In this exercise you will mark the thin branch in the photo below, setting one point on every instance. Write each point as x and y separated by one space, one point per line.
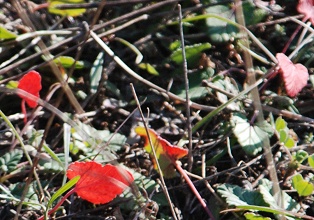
187 98
154 153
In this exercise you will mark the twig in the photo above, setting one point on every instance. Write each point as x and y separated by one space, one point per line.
258 107
154 153
187 98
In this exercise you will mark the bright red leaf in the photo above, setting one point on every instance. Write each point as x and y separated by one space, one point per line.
31 83
295 76
166 153
306 7
99 184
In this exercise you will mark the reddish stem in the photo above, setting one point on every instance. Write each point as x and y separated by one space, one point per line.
293 36
59 203
194 190
24 110
41 6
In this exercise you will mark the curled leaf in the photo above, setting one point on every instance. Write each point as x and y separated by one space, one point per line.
295 76
99 184
166 153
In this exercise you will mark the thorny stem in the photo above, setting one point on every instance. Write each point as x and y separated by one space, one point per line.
192 187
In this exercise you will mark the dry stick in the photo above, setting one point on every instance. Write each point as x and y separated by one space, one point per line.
257 105
141 79
187 98
154 152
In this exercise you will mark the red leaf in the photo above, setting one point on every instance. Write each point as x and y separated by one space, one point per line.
295 76
166 153
99 184
306 7
31 83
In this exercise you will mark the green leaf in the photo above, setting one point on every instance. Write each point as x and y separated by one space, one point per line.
220 31
54 156
280 124
250 137
55 165
252 14
303 187
283 135
9 161
253 216
226 85
5 34
96 72
265 187
149 68
175 45
67 62
300 156
236 195
65 12
108 141
193 53
31 195
310 160
196 90
62 190
290 143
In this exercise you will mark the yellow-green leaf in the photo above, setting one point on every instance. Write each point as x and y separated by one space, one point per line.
290 143
149 68
303 187
310 160
65 12
6 35
12 84
67 62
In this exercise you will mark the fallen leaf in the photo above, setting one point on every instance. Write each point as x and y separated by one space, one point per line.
31 83
166 153
306 7
295 76
99 184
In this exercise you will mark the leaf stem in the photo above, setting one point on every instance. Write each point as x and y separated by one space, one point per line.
194 190
24 110
58 204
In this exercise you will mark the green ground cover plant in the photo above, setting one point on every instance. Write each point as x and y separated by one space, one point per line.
140 109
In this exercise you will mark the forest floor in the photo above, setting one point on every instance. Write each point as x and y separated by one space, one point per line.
107 67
